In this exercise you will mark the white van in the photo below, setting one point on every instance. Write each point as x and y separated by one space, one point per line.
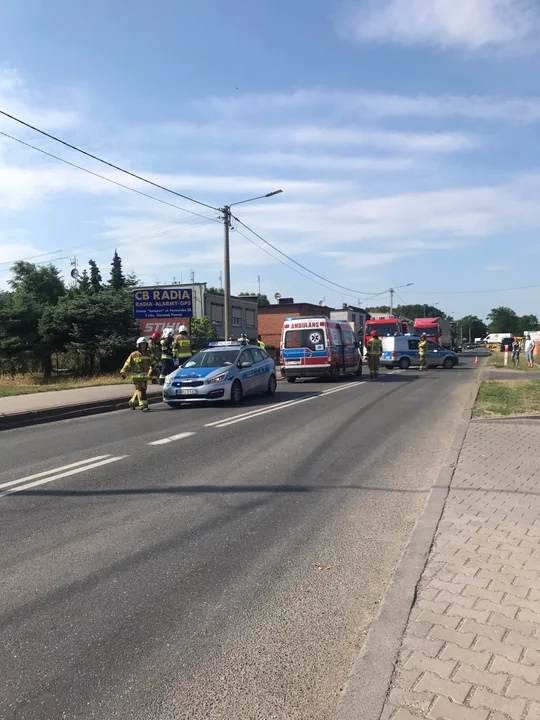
402 351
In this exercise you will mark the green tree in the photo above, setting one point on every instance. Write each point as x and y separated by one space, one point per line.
84 285
202 331
117 281
528 322
95 276
503 319
34 289
215 291
261 299
471 327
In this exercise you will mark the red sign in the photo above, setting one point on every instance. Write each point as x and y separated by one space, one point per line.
151 326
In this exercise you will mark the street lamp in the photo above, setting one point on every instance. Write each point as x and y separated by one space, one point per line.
392 290
226 210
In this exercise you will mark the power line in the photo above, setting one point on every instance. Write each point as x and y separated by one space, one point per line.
31 257
326 287
103 177
341 287
478 292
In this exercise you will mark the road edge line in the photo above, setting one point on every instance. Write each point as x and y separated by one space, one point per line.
365 693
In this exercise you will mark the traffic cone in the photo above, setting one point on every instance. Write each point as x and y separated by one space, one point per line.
476 360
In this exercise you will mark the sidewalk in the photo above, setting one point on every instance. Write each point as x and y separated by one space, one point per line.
21 410
471 650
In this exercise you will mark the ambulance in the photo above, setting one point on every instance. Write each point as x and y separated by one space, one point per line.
313 346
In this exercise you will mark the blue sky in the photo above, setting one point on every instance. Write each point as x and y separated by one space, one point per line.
404 134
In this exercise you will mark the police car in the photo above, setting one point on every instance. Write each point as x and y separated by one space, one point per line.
224 371
402 350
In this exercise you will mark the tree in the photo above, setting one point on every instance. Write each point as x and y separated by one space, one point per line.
528 322
261 299
202 331
117 281
503 319
34 289
95 276
471 327
84 284
412 312
215 291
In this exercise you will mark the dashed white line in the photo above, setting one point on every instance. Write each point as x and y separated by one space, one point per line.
54 470
257 413
172 438
58 476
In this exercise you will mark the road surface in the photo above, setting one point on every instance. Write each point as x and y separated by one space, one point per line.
211 562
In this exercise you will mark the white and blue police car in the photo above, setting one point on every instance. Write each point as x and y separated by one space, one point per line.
224 371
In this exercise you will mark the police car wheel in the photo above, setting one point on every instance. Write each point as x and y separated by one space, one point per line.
236 393
447 363
272 385
404 364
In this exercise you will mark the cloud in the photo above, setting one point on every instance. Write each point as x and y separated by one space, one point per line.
470 24
17 99
361 105
321 135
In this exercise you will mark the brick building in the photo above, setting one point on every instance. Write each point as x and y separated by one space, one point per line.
271 318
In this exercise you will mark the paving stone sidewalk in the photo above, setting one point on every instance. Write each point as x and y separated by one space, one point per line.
471 650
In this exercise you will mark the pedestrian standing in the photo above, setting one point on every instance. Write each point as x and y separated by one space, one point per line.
516 349
422 351
139 364
374 352
529 351
260 342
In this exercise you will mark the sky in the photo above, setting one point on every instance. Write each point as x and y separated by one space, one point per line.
404 135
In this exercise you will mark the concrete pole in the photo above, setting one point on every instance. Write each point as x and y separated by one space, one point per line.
227 272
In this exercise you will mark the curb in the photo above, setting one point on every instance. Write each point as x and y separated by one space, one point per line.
66 412
366 690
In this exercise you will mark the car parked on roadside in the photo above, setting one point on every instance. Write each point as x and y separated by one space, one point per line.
225 371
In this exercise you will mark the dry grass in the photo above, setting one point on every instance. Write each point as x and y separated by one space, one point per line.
496 361
25 384
503 398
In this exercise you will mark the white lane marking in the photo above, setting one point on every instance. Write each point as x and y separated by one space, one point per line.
54 470
62 475
258 411
169 439
254 415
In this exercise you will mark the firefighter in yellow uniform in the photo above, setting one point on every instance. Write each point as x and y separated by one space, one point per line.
139 364
260 342
182 345
422 351
154 349
374 352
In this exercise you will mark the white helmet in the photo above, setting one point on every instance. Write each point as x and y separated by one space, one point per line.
168 332
142 340
182 329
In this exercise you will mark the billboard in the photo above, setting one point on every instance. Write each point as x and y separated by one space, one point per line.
148 327
162 303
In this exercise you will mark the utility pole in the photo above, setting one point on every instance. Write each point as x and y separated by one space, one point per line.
221 280
391 301
259 281
227 276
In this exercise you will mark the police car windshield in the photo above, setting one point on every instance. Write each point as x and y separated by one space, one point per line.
212 358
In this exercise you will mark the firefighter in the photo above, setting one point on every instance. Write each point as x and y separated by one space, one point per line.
182 345
166 364
374 352
139 364
422 351
260 342
154 349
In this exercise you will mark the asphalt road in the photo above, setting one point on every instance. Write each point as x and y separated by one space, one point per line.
211 562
